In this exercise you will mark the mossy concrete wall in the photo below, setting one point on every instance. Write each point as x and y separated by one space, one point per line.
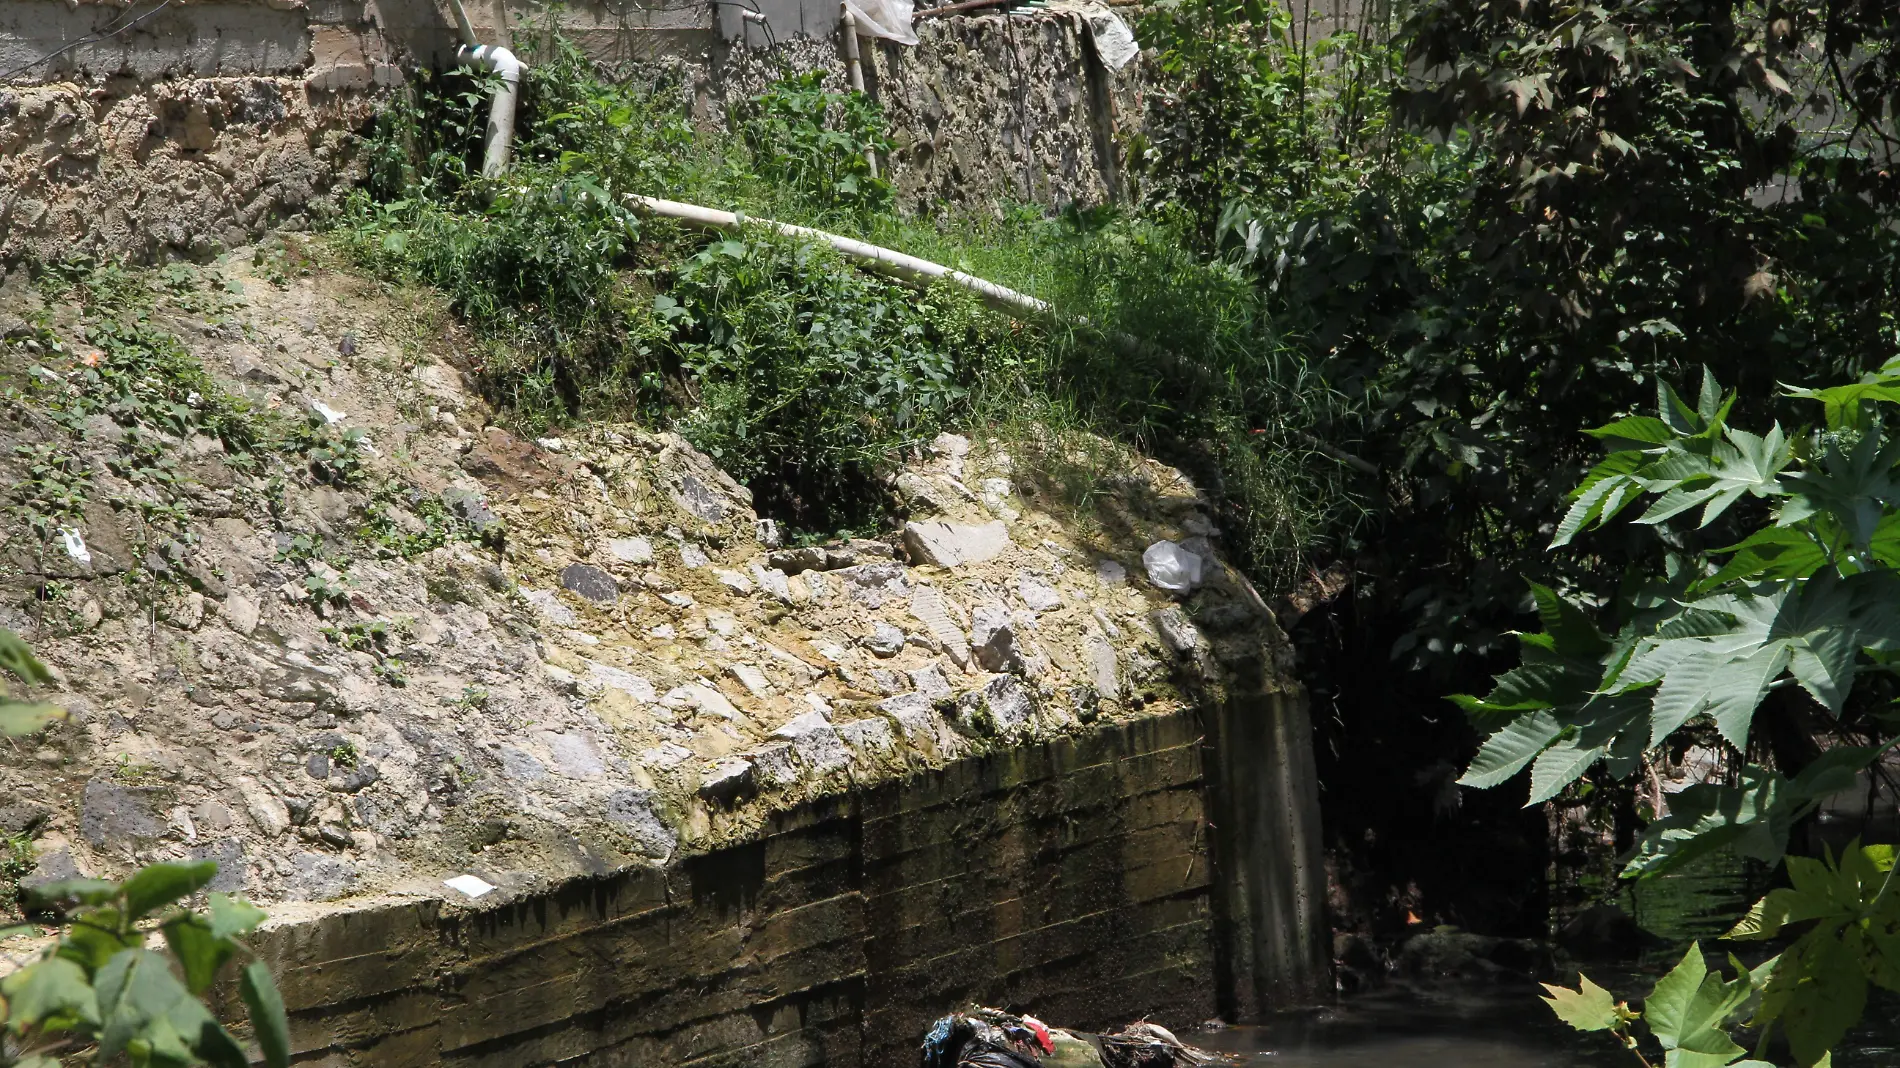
1070 879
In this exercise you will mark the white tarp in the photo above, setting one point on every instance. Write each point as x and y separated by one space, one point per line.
1114 41
889 19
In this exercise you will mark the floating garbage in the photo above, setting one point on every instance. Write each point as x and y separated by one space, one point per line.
991 1038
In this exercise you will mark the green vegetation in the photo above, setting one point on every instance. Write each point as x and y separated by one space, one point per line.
806 378
1717 648
99 992
1371 292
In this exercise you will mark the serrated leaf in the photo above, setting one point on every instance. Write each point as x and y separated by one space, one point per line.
1506 752
1572 631
1641 429
1689 1011
1587 1008
1778 909
1685 690
1558 767
1738 691
1823 663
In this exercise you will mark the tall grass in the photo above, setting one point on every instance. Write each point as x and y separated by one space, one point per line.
811 380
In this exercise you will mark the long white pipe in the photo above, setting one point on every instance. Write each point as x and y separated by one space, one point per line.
849 24
882 260
498 142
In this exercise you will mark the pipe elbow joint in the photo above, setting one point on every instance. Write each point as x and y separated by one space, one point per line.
492 57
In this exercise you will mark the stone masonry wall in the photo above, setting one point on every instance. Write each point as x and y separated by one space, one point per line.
216 122
1069 879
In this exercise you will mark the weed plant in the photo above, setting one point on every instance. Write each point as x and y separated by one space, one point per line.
808 379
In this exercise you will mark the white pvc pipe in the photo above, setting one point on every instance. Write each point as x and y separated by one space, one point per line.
498 141
498 144
849 24
882 260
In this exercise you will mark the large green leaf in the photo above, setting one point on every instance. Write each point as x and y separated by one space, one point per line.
268 1019
18 720
50 988
158 885
232 917
200 953
1506 752
1689 1010
1587 1008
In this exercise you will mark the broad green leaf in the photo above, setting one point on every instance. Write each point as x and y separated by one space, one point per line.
141 1000
1587 1008
1776 553
1778 909
1738 691
1558 767
1639 429
49 988
1574 633
1823 663
1817 992
158 885
268 1019
1689 1010
200 953
18 720
1506 752
18 658
1685 690
232 917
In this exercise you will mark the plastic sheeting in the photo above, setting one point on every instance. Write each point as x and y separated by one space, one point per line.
886 19
1114 41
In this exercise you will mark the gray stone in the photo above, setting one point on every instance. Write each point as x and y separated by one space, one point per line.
797 560
751 678
1110 573
934 541
319 877
636 811
575 755
521 764
591 582
868 736
734 581
241 614
773 581
22 818
356 779
765 532
697 498
777 763
692 556
929 681
613 678
728 780
1001 709
317 766
921 494
886 682
1176 632
885 641
1039 596
993 639
1103 669
550 608
927 607
115 816
872 584
915 715
53 866
468 506
630 550
212 818
815 741
233 870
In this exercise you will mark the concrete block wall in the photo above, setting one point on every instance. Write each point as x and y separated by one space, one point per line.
1069 879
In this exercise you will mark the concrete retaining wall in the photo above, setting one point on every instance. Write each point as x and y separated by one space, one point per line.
1070 879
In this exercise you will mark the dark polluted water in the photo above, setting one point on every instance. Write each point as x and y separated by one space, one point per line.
1472 1027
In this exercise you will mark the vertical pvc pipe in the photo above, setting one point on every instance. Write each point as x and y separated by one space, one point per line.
849 24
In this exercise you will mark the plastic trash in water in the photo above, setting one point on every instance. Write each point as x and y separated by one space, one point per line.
472 885
1172 567
75 545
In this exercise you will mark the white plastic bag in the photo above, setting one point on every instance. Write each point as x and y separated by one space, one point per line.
1171 567
889 19
1114 41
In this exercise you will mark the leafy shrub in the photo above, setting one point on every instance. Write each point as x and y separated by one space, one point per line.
99 987
814 141
810 377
